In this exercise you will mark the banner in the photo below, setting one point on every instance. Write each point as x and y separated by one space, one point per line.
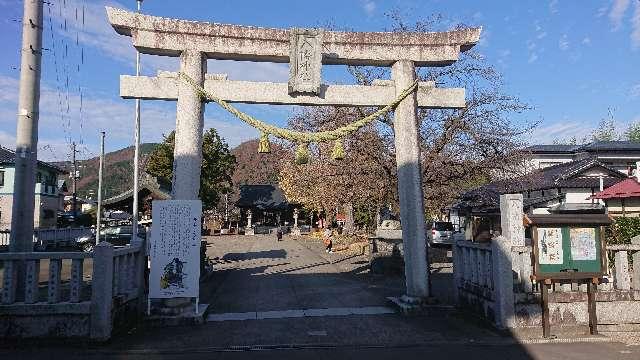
175 249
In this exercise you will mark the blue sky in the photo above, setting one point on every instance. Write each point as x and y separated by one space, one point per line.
573 61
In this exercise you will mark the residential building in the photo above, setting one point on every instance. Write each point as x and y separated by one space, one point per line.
567 187
618 155
622 199
48 194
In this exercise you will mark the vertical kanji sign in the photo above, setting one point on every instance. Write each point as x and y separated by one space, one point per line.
175 249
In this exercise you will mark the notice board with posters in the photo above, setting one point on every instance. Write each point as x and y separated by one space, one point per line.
568 246
175 249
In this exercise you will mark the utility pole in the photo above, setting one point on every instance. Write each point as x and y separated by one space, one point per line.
27 131
99 210
136 156
74 177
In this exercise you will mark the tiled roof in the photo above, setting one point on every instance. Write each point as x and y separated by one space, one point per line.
264 197
9 157
566 175
591 147
624 189
553 149
147 182
611 146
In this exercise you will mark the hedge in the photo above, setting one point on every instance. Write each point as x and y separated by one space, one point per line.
622 230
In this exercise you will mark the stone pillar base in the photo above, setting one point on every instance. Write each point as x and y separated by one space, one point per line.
249 231
177 312
410 305
296 231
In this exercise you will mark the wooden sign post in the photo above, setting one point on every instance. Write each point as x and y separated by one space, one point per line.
568 248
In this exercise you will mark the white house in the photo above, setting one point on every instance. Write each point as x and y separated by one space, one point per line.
48 198
618 155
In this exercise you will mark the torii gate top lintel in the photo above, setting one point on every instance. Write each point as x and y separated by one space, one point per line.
169 37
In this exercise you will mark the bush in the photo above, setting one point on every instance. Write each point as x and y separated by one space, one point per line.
622 230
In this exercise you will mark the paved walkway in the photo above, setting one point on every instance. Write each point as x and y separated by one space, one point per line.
289 299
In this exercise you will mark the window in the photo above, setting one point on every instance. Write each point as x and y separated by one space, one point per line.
1 178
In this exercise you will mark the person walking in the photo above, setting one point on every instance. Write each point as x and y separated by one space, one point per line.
328 242
279 233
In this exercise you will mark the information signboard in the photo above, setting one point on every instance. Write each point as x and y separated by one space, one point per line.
568 246
175 249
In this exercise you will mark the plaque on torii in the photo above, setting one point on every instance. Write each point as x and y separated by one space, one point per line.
306 50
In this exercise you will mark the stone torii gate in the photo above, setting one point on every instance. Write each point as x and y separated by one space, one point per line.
306 51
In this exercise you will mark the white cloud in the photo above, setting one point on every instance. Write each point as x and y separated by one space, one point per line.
635 91
560 130
586 41
533 58
617 13
7 141
602 11
504 53
553 6
540 32
563 43
98 33
369 7
635 27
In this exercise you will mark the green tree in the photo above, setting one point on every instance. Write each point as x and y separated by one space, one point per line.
606 130
633 132
217 166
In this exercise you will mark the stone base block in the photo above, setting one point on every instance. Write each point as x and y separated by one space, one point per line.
409 305
296 232
250 231
188 316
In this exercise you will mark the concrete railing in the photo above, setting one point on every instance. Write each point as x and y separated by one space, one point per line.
473 268
88 308
48 238
623 277
4 237
30 288
483 279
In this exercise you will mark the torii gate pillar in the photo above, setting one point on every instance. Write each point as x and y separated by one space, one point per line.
406 134
187 152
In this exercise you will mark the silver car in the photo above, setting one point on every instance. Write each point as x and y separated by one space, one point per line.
440 233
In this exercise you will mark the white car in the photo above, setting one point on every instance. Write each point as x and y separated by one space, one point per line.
440 233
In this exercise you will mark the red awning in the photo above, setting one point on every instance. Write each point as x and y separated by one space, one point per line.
624 189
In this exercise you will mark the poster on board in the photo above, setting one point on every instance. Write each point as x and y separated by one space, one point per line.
583 243
175 249
550 246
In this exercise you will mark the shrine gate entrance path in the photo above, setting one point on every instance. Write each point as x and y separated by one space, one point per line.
257 277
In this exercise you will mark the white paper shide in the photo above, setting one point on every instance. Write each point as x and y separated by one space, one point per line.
175 249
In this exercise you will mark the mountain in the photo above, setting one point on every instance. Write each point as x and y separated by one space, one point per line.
118 171
253 168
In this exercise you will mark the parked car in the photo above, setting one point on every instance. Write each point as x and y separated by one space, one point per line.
116 235
440 233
